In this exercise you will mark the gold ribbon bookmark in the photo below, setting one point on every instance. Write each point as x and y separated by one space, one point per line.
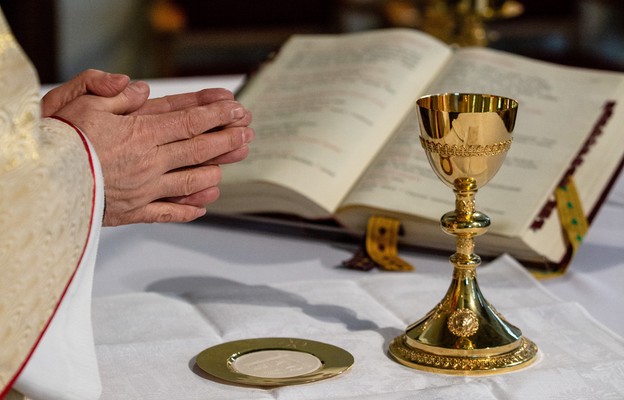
571 214
382 237
573 222
379 249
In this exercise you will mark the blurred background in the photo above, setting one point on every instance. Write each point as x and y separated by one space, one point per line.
166 38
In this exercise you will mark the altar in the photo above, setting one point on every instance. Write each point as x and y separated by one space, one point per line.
164 293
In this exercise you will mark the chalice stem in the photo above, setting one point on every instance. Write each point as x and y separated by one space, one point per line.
463 333
465 223
464 295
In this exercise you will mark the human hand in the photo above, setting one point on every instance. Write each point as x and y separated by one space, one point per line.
158 164
202 97
90 81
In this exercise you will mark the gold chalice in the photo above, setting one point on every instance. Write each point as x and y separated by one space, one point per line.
466 137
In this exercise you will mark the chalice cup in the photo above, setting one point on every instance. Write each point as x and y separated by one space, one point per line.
466 138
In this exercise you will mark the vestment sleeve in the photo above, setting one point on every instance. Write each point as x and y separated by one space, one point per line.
51 205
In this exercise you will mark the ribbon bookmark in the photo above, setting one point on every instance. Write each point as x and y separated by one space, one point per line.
382 235
573 220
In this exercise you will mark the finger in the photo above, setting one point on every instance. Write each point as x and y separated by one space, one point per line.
159 211
199 199
185 182
87 82
171 212
182 101
244 121
231 157
190 122
202 148
128 101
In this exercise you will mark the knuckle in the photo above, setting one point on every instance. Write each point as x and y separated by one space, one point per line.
166 216
170 212
233 141
197 151
184 123
162 212
225 111
222 117
189 123
188 183
170 101
236 138
195 180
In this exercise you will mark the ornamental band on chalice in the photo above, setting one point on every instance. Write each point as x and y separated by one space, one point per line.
446 150
466 137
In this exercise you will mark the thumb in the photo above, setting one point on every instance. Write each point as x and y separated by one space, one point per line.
128 101
87 82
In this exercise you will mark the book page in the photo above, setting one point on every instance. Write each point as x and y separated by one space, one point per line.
558 107
326 105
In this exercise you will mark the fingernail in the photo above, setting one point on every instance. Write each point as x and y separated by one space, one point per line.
248 135
200 212
237 113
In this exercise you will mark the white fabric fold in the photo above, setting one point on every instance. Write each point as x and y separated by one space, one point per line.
64 364
166 326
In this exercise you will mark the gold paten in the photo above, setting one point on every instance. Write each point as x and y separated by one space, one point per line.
220 361
466 138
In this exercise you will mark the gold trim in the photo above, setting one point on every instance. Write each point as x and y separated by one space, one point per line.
522 355
452 150
458 352
218 360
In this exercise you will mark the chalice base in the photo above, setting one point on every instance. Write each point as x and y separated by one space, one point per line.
496 360
463 335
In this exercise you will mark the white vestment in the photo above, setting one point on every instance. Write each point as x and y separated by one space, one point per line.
51 207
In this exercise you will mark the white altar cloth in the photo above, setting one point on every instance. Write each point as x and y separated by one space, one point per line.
163 293
147 341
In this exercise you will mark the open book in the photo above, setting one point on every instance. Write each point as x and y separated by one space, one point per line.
337 138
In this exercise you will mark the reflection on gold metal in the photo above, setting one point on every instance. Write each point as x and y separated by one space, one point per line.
270 362
466 137
456 22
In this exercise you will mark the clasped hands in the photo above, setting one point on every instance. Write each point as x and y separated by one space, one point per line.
160 157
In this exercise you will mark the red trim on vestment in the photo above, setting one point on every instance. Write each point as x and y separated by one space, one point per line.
11 382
